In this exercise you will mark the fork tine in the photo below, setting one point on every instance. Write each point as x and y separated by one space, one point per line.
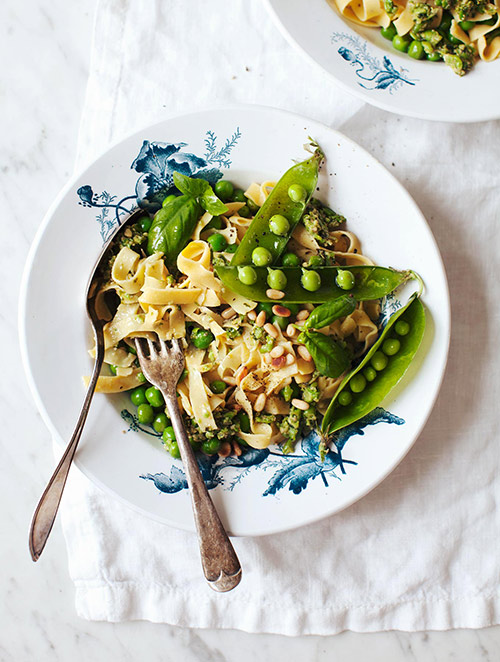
139 347
152 349
175 345
163 347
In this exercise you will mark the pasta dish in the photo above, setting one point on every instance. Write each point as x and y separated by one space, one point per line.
456 31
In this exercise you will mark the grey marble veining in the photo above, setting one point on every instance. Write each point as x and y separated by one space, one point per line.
44 50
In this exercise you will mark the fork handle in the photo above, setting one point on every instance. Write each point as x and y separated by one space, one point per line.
221 566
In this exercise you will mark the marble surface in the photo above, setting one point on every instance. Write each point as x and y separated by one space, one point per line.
45 50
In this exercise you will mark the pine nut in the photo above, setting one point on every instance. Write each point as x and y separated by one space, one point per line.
290 359
261 318
279 350
291 331
304 353
300 404
225 449
303 314
281 311
271 330
252 315
260 403
275 294
228 313
278 363
288 380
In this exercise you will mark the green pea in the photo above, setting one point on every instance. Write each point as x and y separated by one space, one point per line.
345 279
401 43
216 224
276 279
224 190
145 223
168 200
369 373
416 50
467 25
160 423
247 275
267 346
231 248
391 346
401 328
217 241
244 421
138 396
434 56
154 397
266 307
168 434
210 446
261 257
140 378
239 195
244 211
112 369
389 32
201 338
218 386
290 260
253 206
345 398
282 322
173 449
357 383
279 225
297 193
310 280
145 413
379 361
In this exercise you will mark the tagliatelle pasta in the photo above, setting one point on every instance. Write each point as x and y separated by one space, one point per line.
452 30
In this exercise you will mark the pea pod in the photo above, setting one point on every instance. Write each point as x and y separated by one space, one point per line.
330 357
330 311
370 283
279 202
338 416
172 227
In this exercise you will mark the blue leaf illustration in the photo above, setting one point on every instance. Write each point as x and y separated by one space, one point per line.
153 157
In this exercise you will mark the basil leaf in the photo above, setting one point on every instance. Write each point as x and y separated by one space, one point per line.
330 357
330 311
202 191
172 227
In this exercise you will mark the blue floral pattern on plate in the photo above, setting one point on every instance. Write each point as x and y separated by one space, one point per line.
376 74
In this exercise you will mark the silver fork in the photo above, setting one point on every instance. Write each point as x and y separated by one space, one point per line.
163 366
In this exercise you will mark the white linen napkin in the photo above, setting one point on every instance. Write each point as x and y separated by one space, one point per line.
421 550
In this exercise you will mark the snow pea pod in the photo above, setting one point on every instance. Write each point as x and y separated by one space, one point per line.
279 202
371 395
370 283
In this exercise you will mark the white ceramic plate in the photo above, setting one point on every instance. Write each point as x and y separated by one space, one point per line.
264 492
366 64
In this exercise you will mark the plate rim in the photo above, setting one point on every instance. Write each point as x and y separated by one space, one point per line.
23 320
358 92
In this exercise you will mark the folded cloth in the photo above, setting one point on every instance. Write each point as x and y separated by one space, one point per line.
420 551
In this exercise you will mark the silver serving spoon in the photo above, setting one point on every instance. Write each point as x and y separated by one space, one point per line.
46 510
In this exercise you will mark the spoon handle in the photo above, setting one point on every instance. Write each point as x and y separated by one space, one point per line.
46 510
221 566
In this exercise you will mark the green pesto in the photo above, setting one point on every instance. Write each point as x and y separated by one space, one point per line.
279 202
338 416
370 283
320 221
